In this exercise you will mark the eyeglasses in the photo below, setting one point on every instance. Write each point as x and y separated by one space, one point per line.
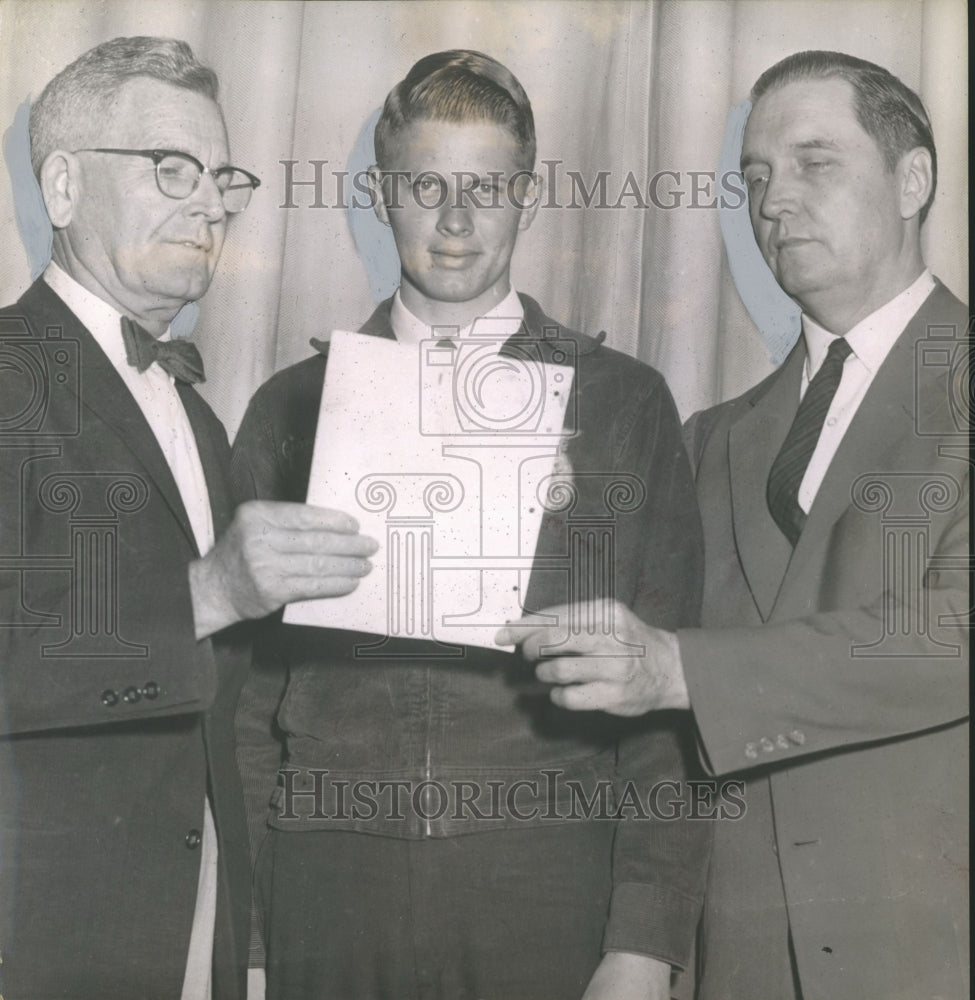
178 175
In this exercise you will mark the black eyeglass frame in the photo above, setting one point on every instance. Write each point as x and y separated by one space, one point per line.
158 155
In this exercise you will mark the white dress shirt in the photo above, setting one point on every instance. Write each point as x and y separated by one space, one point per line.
501 322
870 340
154 391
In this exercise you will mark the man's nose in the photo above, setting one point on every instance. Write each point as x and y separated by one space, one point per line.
455 220
455 216
207 199
779 195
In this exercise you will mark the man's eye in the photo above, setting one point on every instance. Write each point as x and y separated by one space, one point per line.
755 181
176 168
428 184
429 190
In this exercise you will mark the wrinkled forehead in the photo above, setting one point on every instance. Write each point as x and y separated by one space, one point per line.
800 114
148 113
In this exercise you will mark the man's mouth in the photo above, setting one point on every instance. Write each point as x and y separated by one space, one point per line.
203 245
790 243
454 258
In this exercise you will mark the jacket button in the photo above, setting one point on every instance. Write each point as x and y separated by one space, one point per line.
131 695
193 839
151 690
109 698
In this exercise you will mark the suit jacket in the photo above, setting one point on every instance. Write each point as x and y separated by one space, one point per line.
835 678
114 720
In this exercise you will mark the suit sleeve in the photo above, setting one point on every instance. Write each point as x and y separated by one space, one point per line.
660 857
821 682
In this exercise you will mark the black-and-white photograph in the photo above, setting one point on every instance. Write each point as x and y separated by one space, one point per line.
484 500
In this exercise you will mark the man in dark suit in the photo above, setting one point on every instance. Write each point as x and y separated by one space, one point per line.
123 847
446 891
831 668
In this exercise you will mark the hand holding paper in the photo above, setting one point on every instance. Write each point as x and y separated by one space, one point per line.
274 553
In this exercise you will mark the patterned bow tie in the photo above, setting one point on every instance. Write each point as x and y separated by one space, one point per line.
178 357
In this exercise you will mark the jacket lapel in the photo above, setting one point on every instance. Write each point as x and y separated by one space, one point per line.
754 441
882 436
103 393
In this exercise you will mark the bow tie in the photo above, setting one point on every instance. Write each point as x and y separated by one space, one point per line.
178 357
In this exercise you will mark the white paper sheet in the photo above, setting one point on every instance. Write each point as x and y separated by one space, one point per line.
441 453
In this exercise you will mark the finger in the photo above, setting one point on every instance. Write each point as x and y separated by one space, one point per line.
535 632
321 543
586 697
581 670
522 633
547 618
555 642
308 568
312 588
283 514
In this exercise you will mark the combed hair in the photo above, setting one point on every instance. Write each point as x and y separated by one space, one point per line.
887 110
79 98
458 86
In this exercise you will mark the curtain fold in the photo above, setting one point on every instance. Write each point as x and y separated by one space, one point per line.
631 102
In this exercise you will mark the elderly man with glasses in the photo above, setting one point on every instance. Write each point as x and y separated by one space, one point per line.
123 849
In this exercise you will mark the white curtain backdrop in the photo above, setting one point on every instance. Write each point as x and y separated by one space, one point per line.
635 90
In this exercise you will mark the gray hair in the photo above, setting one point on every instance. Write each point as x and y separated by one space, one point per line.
81 95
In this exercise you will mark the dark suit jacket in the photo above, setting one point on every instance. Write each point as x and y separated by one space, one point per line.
835 677
114 720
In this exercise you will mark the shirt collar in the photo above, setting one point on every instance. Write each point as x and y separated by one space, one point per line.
101 320
873 337
501 322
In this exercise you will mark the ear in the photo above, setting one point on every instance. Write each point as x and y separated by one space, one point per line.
916 179
529 199
60 188
374 179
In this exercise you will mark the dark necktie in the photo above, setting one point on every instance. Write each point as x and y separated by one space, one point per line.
790 464
178 357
